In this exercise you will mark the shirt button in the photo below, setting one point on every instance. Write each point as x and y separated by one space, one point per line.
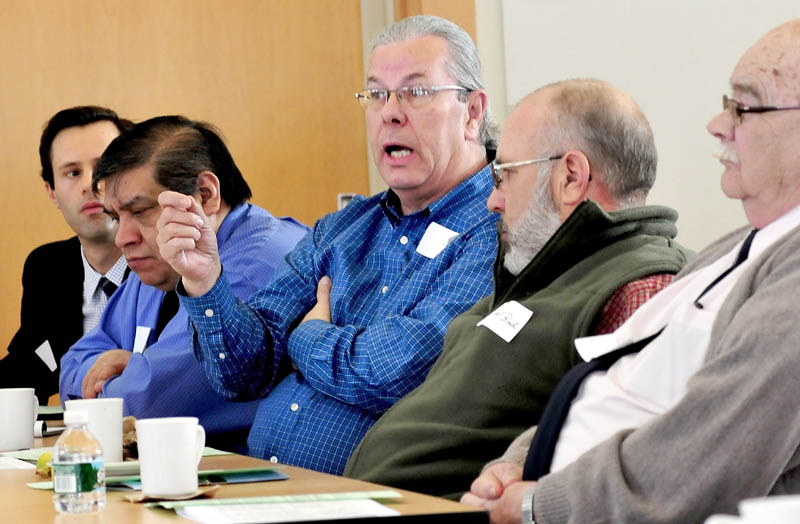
295 406
384 289
222 356
273 459
404 240
209 313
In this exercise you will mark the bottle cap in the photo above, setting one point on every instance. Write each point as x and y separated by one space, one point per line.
75 416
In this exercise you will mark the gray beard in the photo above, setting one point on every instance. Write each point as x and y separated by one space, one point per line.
536 226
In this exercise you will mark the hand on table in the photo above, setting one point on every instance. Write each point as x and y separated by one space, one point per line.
107 365
188 242
499 489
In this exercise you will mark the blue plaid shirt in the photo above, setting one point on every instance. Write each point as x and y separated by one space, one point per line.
324 384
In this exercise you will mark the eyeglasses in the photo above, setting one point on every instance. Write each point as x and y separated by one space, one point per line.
737 110
497 169
414 96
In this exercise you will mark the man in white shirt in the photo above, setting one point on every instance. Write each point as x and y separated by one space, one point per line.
704 415
66 284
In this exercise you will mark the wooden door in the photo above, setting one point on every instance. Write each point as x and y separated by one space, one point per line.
277 77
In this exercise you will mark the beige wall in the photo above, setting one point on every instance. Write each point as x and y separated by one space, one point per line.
276 76
673 57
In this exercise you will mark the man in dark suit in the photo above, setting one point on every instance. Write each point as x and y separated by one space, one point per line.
66 284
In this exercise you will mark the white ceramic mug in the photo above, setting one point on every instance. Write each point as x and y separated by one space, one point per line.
105 423
170 450
780 509
19 408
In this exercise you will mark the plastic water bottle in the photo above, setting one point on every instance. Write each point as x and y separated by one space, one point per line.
79 483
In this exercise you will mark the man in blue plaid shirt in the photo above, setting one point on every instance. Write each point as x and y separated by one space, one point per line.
356 316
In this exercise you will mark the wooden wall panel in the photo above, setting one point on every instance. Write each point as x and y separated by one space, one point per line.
460 12
277 77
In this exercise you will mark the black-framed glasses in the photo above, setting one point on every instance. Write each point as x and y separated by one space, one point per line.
414 96
737 109
497 169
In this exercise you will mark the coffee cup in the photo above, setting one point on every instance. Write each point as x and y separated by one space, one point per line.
780 509
19 408
105 423
170 450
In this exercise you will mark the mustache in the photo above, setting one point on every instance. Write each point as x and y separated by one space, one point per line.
502 230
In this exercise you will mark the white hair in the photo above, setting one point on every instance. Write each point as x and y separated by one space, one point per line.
464 64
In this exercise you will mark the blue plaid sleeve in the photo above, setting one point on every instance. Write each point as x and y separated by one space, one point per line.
240 344
372 366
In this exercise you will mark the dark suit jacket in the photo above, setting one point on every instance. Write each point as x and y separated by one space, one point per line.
52 302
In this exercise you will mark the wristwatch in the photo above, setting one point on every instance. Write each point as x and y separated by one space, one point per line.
527 505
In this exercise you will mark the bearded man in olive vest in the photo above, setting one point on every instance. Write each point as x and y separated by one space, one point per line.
579 254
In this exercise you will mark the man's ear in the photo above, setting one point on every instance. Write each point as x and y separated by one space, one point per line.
208 189
476 112
571 187
50 192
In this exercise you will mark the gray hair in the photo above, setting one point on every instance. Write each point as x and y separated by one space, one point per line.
535 226
464 64
610 128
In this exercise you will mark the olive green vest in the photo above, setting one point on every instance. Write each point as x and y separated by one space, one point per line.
482 392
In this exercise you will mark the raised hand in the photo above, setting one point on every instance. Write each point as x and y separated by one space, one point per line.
188 242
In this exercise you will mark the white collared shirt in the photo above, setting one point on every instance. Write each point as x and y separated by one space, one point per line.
641 386
94 299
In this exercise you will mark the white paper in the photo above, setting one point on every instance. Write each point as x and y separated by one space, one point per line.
140 341
26 454
45 352
435 239
507 320
12 463
285 511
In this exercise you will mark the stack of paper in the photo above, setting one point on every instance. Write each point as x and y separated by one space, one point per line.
13 463
285 508
285 511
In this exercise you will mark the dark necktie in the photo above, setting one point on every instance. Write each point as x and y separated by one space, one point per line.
540 454
169 306
543 446
107 286
741 257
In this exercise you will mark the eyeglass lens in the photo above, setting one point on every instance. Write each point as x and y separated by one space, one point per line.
732 107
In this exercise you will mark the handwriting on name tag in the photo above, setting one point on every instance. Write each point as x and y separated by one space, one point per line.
507 320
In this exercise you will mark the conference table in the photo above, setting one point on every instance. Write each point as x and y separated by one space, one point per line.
22 504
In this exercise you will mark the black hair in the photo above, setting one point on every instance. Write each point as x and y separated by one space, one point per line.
73 117
179 149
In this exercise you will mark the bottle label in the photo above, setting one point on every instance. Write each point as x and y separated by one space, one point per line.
83 477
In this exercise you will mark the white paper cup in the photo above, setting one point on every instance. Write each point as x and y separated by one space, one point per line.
19 408
781 509
170 450
105 423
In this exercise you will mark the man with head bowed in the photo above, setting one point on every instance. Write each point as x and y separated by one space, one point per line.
356 315
141 350
705 414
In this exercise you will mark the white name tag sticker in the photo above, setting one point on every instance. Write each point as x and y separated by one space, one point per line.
435 239
507 320
140 341
45 352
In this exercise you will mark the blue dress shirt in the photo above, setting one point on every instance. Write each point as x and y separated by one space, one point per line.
324 384
166 380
